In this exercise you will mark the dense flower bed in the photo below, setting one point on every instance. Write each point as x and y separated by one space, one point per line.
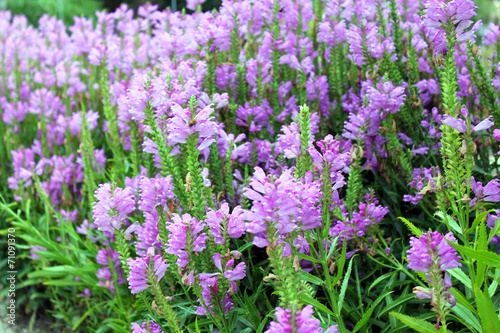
277 166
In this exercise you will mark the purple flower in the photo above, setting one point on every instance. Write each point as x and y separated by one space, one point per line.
461 126
140 267
432 250
289 142
186 122
221 221
491 34
153 328
386 97
208 283
489 193
355 39
237 273
272 205
138 276
112 207
35 255
456 123
108 257
496 134
177 242
484 125
304 322
456 12
156 192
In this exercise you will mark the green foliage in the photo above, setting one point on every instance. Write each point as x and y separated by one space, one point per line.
62 9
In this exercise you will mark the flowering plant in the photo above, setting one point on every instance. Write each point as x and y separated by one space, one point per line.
273 166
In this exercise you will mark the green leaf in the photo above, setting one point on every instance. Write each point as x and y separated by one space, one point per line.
309 300
462 300
367 315
450 222
343 289
309 258
262 325
341 265
493 286
419 325
311 278
486 257
486 310
461 276
382 278
481 246
82 318
464 314
63 283
398 302
477 220
416 231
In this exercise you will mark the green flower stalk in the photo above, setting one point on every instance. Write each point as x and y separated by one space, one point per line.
87 149
455 165
168 164
304 160
286 277
194 181
111 117
229 176
135 154
354 180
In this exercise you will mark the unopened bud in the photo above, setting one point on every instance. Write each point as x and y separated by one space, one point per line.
332 268
475 50
270 277
438 60
465 198
184 278
296 264
463 150
422 293
156 309
189 182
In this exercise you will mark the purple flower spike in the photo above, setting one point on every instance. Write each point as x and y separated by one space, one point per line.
491 34
138 277
177 242
221 220
153 328
386 97
304 322
237 273
184 123
192 4
456 12
112 207
432 249
156 192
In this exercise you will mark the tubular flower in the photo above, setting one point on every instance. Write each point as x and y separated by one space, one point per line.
181 229
138 277
432 255
430 250
112 207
